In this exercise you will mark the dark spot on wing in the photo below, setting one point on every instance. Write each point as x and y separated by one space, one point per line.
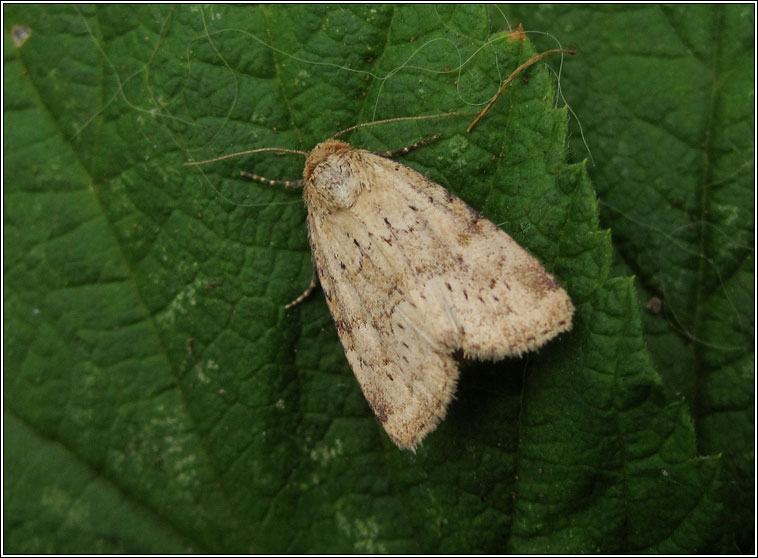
343 326
379 408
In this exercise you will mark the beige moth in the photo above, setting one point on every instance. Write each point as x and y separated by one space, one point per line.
413 276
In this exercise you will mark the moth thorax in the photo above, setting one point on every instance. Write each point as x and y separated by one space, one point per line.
332 176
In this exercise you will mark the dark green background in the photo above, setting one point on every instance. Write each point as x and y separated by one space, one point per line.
159 398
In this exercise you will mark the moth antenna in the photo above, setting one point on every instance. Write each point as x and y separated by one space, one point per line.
404 150
516 72
259 150
399 119
286 183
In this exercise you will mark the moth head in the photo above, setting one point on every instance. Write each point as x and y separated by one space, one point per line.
318 154
332 177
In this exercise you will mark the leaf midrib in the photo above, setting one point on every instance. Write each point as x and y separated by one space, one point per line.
704 201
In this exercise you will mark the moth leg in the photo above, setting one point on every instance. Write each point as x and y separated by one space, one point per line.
286 183
307 292
404 150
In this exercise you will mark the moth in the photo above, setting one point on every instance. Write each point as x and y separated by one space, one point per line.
413 276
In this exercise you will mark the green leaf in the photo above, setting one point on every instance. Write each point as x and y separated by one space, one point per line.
158 397
668 110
